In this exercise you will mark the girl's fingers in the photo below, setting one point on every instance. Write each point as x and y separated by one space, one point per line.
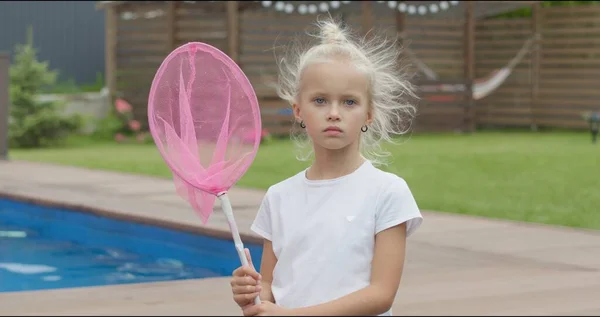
246 289
243 298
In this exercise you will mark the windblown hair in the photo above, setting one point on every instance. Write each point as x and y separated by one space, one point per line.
378 58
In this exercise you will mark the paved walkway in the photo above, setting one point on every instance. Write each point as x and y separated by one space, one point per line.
456 264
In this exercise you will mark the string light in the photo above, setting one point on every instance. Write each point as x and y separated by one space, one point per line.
402 7
422 9
412 9
289 8
433 8
303 8
279 6
323 6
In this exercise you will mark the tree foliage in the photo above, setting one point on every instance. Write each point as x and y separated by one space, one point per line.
33 123
525 12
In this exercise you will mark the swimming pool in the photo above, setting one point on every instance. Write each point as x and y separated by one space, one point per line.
47 248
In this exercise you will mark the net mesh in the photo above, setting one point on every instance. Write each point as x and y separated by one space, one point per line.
204 118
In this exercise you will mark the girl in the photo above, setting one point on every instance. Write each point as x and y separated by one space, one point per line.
334 234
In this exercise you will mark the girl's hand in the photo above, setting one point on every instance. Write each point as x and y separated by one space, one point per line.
245 283
266 308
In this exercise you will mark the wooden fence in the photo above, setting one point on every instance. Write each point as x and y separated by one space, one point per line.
553 85
140 45
443 106
550 87
496 43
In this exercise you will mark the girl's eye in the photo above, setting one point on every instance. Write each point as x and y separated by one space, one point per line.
350 102
319 100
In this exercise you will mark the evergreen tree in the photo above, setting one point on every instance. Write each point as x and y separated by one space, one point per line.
33 123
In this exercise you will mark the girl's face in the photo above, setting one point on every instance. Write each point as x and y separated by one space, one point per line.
334 104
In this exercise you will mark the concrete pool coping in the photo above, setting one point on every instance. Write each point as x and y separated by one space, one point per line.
455 264
207 230
128 207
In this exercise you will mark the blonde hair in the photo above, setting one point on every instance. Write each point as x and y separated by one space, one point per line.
374 55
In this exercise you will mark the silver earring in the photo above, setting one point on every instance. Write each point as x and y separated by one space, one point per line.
302 125
364 128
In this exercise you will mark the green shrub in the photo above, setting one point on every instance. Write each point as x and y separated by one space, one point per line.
107 127
121 126
33 123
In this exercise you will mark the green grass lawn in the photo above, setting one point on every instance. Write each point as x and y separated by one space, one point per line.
537 177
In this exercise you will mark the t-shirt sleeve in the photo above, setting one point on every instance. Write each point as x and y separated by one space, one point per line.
262 222
397 205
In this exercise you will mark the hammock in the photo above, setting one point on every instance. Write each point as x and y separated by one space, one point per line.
482 87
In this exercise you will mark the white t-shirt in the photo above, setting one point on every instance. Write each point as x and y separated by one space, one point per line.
323 232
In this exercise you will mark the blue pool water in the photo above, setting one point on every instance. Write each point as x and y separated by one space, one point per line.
45 248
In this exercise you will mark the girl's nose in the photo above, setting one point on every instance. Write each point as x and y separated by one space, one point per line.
334 113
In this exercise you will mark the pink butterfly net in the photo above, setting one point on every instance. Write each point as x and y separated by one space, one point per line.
204 117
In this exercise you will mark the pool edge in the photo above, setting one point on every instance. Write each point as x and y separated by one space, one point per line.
205 230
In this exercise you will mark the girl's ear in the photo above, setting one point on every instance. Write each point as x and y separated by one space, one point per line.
296 110
369 116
